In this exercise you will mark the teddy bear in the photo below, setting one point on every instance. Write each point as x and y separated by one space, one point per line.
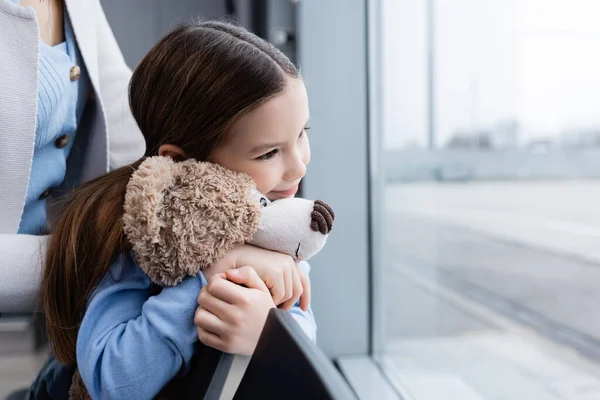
182 217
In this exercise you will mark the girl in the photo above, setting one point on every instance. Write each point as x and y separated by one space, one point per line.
209 91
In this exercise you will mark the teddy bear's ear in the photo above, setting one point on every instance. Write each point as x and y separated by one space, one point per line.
144 198
182 217
143 205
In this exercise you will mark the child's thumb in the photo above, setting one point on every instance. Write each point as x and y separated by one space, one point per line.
247 276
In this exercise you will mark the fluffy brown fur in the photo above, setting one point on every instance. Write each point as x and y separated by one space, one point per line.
78 391
182 217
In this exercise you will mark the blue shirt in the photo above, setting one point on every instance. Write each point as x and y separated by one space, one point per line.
131 344
61 102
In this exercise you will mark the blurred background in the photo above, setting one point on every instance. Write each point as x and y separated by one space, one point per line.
458 142
490 138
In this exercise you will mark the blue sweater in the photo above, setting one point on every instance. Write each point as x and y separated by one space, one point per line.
60 107
130 343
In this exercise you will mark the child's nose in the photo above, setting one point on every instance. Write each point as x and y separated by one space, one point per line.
321 218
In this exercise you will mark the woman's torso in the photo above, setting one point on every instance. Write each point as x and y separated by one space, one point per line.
63 90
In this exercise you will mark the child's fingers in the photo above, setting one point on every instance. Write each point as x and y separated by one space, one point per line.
275 284
213 304
248 277
305 298
289 285
209 322
223 289
210 339
296 291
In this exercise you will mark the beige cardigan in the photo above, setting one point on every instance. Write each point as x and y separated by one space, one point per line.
113 138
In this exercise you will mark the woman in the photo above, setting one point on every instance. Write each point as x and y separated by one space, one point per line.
64 119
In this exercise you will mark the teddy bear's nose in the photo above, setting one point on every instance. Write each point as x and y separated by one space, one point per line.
321 218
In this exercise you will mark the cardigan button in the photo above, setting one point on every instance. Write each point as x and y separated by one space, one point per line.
75 72
62 141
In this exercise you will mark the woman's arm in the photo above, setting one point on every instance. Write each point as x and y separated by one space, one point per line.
126 143
130 344
21 258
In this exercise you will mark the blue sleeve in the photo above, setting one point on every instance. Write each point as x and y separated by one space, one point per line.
130 344
305 319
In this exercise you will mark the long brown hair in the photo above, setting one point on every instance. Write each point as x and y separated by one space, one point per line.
187 91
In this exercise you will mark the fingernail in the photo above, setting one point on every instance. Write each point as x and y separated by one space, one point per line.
235 271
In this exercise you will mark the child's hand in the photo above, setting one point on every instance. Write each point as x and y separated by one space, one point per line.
231 317
305 298
280 274
286 282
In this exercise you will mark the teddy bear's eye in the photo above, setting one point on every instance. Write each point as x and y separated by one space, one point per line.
263 202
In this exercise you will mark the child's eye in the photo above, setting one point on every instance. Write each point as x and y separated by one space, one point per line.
304 131
267 156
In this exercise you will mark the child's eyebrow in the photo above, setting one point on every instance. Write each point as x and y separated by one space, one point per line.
266 146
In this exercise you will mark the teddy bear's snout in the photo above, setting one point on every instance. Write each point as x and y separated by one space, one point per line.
321 218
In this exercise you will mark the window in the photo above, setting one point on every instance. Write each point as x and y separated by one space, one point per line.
488 117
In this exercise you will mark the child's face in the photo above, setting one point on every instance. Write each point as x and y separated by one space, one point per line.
270 143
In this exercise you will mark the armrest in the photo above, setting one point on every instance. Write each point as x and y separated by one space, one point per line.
286 364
